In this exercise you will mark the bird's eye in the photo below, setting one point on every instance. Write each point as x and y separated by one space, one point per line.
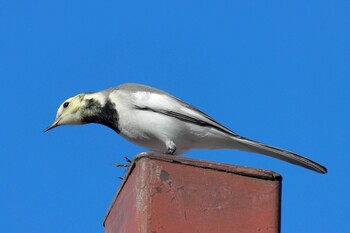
65 104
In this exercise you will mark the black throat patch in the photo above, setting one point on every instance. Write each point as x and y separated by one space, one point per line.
107 115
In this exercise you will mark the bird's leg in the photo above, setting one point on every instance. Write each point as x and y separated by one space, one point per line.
127 159
128 162
170 148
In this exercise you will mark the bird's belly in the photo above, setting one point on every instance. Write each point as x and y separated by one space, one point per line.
153 130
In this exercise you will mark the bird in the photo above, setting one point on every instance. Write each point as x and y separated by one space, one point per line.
161 122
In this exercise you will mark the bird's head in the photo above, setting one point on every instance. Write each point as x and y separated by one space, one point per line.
69 112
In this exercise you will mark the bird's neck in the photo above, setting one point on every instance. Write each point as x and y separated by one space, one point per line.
101 111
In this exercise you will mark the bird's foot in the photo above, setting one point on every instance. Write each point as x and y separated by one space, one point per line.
123 164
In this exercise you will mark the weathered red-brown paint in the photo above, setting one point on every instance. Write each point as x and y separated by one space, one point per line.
170 194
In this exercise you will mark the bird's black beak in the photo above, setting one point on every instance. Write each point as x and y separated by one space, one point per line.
53 125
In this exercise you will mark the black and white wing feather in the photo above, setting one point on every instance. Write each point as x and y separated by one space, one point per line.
151 99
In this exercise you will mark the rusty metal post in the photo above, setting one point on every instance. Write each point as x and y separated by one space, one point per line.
171 194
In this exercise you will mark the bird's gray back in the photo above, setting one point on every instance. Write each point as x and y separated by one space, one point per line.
135 87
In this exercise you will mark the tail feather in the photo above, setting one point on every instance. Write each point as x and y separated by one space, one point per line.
257 147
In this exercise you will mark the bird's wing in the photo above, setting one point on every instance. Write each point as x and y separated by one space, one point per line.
174 107
166 104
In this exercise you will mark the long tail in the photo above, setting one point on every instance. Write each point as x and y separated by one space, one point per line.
290 157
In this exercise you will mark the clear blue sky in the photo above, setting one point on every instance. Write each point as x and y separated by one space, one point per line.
273 71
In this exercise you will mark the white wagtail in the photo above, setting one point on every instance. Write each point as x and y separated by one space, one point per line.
161 122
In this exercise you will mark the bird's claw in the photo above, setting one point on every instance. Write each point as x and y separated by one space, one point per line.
124 165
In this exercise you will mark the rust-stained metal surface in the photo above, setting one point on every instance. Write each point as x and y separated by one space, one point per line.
171 194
